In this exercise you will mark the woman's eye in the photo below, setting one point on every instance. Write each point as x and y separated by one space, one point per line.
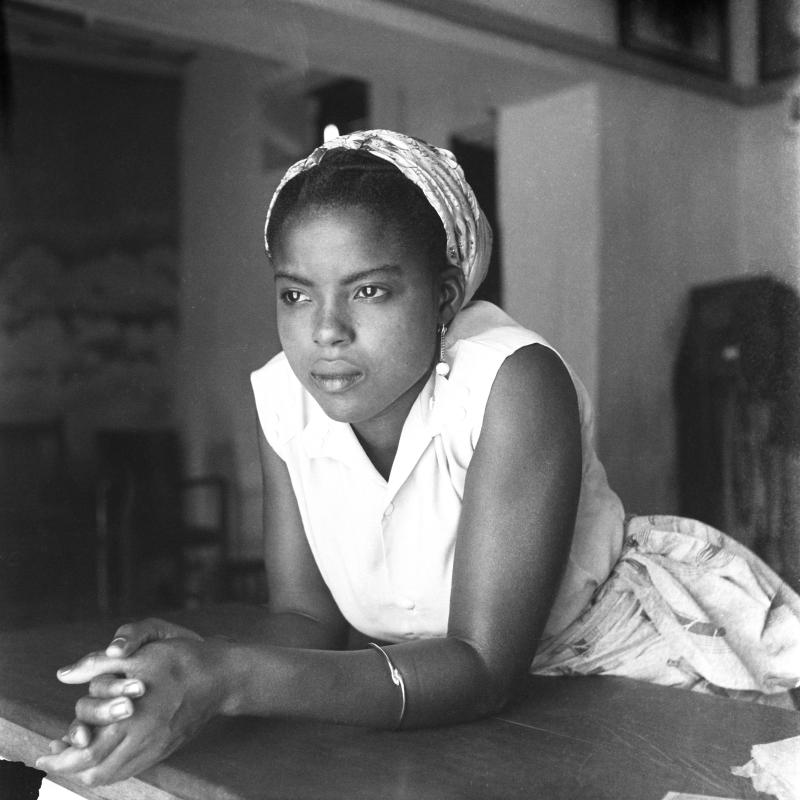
293 296
370 292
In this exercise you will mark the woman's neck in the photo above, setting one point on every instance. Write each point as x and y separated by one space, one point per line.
380 436
381 455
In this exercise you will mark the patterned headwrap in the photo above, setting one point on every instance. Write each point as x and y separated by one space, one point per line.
437 173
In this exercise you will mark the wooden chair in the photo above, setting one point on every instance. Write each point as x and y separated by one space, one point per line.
32 466
154 551
45 525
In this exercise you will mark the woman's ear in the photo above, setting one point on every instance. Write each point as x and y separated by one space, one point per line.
451 293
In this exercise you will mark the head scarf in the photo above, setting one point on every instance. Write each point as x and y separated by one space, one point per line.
437 173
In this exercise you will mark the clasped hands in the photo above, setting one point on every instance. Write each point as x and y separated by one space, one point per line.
149 691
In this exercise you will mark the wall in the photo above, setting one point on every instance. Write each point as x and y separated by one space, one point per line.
237 140
768 191
549 169
693 191
668 178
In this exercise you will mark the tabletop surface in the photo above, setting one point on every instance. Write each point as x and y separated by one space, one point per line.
564 738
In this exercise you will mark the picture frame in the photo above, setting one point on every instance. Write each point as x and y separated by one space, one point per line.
778 39
689 34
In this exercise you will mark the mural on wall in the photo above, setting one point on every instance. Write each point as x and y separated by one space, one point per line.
88 249
101 327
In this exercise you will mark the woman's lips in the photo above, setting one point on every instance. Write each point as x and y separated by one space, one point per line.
336 381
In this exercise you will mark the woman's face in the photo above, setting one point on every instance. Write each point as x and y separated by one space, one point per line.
358 312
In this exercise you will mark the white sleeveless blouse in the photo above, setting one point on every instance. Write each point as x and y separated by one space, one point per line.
385 548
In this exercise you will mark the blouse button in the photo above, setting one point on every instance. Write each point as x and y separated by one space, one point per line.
407 603
388 511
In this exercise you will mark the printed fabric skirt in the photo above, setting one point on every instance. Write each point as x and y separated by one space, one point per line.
686 606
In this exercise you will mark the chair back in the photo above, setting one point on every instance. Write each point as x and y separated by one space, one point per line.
32 469
139 517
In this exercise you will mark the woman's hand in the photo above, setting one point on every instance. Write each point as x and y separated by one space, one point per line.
127 640
182 693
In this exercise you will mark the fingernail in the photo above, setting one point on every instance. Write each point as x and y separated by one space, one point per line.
117 644
65 670
120 709
133 688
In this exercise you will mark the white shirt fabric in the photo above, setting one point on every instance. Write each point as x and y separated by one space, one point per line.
385 548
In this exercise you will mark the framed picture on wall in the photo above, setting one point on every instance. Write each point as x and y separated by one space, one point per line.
778 38
689 33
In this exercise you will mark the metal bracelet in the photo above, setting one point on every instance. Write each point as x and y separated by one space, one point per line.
397 680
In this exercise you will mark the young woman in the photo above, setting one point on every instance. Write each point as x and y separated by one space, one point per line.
430 481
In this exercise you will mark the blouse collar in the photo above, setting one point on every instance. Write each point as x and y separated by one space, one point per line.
439 399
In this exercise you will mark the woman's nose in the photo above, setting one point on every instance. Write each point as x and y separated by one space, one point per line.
332 326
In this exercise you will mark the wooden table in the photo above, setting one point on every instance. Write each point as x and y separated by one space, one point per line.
576 738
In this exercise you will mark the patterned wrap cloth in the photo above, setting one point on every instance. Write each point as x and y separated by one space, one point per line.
685 604
437 173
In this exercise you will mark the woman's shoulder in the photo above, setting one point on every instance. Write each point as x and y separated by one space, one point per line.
483 325
482 339
281 402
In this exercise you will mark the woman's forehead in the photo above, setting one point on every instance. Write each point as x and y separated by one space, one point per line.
348 226
343 247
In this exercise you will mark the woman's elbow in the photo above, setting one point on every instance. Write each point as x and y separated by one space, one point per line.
495 681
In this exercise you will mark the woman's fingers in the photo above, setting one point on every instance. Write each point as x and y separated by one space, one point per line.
178 699
117 751
102 711
77 735
126 760
91 666
74 759
114 686
129 638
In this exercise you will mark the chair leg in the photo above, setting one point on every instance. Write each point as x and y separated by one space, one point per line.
101 551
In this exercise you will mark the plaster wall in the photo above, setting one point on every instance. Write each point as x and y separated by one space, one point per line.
768 191
226 304
548 168
693 191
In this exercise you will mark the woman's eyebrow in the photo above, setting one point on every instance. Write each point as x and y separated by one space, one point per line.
353 277
292 277
373 272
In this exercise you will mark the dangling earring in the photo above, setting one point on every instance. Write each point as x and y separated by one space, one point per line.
442 367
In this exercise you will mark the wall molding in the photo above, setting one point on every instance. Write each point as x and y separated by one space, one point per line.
476 16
